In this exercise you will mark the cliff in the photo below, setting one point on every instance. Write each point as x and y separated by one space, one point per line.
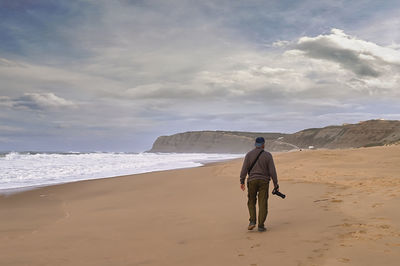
363 134
216 142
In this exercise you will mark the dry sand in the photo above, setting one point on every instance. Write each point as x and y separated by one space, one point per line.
342 209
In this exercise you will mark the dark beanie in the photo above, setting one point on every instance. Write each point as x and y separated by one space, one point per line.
260 141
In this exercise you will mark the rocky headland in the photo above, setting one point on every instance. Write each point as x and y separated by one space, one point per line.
363 134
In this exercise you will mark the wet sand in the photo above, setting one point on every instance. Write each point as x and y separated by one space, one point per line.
341 209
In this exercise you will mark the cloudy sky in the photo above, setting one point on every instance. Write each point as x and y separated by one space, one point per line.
112 75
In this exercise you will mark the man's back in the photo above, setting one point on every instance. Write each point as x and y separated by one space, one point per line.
264 168
259 165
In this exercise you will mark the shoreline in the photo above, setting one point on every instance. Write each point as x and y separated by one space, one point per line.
198 216
10 191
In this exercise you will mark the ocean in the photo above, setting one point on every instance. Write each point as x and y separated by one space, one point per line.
22 170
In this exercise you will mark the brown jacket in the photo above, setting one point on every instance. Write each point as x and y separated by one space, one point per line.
263 169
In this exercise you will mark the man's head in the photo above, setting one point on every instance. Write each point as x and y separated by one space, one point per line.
260 141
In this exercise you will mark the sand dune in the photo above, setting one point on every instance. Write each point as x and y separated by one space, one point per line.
341 209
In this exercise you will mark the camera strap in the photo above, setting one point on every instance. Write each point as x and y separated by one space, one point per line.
252 165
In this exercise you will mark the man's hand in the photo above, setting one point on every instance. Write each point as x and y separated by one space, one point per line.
242 186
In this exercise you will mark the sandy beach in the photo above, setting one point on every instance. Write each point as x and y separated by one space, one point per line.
342 208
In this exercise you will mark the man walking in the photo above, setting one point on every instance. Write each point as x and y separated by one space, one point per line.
259 165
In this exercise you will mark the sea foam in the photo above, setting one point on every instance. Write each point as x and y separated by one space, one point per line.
21 170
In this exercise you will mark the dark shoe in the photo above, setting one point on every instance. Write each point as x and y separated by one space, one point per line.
262 229
251 226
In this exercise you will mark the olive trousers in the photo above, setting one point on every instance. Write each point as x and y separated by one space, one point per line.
258 187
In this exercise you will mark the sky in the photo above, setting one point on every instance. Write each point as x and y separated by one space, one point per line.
113 75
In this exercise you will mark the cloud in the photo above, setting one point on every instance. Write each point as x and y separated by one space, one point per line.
336 66
361 57
8 63
36 101
155 67
281 43
10 129
5 140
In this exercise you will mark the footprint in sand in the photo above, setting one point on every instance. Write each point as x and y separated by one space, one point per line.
280 251
379 218
359 235
344 260
393 244
336 200
255 246
384 226
320 250
312 241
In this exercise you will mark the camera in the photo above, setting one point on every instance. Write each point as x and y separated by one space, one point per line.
276 192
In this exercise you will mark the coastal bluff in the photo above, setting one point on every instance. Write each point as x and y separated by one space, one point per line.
210 141
363 134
